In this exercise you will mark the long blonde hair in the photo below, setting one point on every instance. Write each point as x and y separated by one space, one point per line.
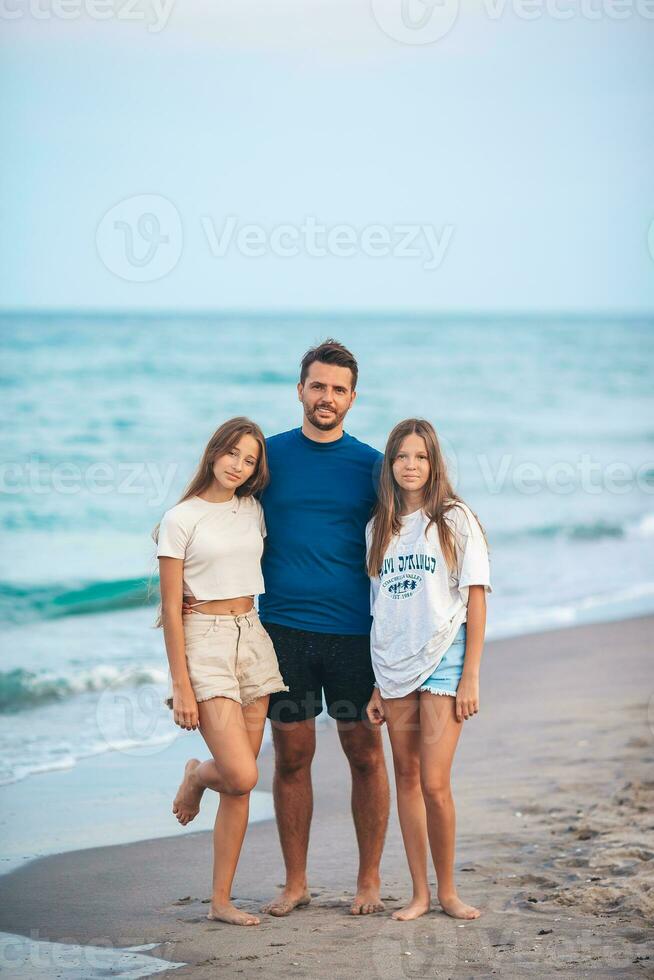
438 496
225 438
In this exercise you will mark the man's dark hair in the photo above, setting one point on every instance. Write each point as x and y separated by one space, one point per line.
330 352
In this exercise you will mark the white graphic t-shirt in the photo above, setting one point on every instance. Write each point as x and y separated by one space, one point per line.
416 604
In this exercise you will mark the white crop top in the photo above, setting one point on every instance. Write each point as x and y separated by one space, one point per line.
221 545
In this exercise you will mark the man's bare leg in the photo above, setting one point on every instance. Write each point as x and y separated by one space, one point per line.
364 749
295 745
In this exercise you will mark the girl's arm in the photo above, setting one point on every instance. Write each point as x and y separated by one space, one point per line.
171 577
467 695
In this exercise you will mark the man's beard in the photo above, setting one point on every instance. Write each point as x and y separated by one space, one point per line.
324 425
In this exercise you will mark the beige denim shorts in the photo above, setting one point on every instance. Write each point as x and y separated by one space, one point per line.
229 657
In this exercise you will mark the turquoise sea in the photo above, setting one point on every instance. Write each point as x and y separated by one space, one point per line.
548 425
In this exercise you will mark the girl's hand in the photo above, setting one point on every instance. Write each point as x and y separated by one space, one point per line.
467 697
187 608
185 707
375 708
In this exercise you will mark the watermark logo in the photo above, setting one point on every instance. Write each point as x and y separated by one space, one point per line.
150 479
154 13
317 240
75 956
416 21
451 459
134 720
422 949
415 950
426 21
497 474
140 239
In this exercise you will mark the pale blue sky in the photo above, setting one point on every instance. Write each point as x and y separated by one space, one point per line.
531 141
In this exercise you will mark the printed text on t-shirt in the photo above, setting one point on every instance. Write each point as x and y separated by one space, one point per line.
406 563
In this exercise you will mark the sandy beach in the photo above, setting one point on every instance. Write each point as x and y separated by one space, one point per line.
554 789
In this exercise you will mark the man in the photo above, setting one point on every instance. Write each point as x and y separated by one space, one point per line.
316 609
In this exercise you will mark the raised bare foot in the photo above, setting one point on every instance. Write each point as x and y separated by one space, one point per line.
286 901
367 900
229 913
452 905
186 804
415 908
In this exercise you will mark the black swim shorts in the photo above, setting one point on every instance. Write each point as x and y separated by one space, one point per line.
312 663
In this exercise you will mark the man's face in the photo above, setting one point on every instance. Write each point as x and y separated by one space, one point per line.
326 395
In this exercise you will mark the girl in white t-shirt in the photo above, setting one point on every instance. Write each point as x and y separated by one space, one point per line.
429 573
222 664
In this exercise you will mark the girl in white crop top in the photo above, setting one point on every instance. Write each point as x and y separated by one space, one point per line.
429 572
222 664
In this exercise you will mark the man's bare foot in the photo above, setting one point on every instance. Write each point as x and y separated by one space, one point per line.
286 902
229 913
186 804
367 900
415 908
452 905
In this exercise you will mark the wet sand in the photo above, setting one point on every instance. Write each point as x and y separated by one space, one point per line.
554 788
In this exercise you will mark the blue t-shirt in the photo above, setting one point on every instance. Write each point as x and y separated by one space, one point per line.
316 506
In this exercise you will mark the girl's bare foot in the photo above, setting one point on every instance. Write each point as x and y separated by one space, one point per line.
415 908
186 804
452 905
286 902
229 913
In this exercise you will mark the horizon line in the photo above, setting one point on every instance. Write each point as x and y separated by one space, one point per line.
321 313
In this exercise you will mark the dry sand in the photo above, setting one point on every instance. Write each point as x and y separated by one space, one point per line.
554 789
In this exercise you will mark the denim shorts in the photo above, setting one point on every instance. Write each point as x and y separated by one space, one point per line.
447 675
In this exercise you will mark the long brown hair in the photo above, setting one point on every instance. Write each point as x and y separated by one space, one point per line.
438 496
225 438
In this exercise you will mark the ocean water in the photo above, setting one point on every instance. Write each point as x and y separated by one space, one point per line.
548 426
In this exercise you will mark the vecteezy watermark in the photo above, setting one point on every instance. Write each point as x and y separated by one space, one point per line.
140 239
38 477
154 480
426 21
425 948
154 13
583 474
416 21
341 241
38 956
134 720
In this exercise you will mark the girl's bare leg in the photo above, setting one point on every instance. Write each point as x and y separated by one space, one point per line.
233 735
403 720
232 820
440 731
223 773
